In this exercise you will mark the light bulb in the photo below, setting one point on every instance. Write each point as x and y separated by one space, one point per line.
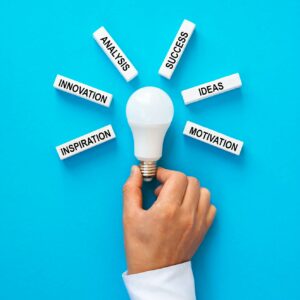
149 113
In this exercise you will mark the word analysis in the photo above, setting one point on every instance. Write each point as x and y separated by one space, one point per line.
82 90
213 138
85 142
176 50
212 88
115 54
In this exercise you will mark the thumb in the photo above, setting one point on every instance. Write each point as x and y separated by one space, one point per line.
132 190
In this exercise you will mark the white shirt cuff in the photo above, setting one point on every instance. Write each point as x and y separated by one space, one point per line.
170 283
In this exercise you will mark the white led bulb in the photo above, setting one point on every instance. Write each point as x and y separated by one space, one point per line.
149 113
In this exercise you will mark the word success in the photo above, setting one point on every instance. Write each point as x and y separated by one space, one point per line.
177 48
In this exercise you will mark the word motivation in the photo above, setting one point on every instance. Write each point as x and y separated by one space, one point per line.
86 142
82 90
115 54
213 138
177 48
212 88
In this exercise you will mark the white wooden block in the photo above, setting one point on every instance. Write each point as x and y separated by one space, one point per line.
177 48
86 142
82 90
115 54
211 88
213 138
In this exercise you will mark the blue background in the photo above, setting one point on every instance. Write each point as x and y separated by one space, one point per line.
60 221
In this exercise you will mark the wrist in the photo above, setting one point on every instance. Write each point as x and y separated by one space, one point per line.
136 269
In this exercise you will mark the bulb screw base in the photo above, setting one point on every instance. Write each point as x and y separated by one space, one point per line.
148 170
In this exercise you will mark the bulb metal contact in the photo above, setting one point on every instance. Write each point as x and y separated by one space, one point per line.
148 170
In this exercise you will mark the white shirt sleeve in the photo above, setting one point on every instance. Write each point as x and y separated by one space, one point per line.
170 283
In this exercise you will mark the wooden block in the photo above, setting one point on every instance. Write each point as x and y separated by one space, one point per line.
115 54
177 48
82 90
211 88
213 138
85 142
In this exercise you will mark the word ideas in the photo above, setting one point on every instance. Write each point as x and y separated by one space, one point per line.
212 88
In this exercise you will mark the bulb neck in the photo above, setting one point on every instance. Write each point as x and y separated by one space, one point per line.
148 170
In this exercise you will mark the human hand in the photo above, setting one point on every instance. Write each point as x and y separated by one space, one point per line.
170 231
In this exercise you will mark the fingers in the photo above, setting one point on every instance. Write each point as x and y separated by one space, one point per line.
163 175
176 188
132 190
204 204
173 188
210 216
192 195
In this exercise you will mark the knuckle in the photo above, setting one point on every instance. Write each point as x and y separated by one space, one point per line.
125 188
193 181
206 192
180 177
168 212
128 188
188 222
